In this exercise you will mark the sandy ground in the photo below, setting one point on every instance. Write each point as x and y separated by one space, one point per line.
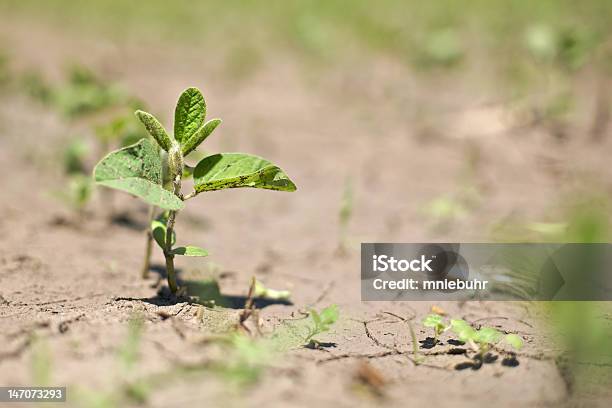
76 285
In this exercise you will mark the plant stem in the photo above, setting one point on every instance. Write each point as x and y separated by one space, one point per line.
190 195
415 348
170 266
169 231
146 264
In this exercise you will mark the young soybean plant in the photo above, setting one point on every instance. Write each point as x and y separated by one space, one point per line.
137 169
436 322
321 323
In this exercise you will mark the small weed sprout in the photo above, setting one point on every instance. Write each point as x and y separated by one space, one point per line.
483 339
321 323
128 352
480 341
137 169
417 359
245 359
345 214
122 130
436 322
79 188
41 361
85 93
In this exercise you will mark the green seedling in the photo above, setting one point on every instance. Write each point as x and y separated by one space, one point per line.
245 359
85 93
125 387
35 86
123 130
41 362
416 357
75 157
321 323
137 169
483 339
78 192
569 48
79 189
345 214
441 48
436 322
128 352
445 210
82 93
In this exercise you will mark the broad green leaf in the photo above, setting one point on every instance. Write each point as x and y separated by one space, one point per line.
151 193
235 170
199 136
189 114
155 129
514 340
433 320
190 251
488 335
137 169
158 229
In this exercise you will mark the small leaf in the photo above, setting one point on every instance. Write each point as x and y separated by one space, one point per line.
159 233
189 114
329 315
199 136
158 229
487 335
433 320
235 170
514 340
190 251
137 169
155 129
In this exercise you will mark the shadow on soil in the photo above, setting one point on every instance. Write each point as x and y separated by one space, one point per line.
429 343
206 292
477 362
